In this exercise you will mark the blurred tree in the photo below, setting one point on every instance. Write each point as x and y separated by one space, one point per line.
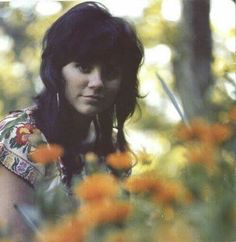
192 63
201 65
199 73
18 61
21 32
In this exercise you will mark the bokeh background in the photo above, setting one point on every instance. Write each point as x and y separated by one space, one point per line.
189 43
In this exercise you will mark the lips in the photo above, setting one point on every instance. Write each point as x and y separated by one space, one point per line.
93 97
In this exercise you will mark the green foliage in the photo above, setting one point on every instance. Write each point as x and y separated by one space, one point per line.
22 30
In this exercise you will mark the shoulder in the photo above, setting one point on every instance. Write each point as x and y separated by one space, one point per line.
16 129
17 119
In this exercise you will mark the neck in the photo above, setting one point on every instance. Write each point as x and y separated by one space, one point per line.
73 127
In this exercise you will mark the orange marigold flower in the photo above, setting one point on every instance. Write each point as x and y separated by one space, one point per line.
167 192
120 160
161 191
105 211
46 153
220 132
71 229
141 184
232 114
199 130
201 154
97 186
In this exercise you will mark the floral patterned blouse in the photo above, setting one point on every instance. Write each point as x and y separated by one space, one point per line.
16 129
17 134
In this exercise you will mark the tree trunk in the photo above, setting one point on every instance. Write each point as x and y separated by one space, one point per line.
192 62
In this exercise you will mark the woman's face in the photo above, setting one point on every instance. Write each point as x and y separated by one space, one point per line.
89 89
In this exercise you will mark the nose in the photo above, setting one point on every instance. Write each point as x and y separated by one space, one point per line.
95 80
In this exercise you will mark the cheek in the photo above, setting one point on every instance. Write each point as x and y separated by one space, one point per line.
68 94
70 89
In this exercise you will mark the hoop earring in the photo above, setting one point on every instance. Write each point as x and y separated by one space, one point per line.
58 100
115 115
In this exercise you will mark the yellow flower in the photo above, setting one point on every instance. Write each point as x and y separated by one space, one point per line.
46 153
144 157
105 211
91 157
120 160
97 186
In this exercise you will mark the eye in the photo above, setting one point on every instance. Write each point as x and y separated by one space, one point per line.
84 68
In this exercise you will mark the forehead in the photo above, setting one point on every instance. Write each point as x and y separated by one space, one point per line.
103 45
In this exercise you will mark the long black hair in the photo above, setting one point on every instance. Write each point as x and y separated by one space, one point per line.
88 33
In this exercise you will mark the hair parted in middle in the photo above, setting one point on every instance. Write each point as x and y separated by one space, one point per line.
88 34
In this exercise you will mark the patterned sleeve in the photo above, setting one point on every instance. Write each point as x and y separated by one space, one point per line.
15 147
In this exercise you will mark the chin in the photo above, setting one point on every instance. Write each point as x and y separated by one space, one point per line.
89 112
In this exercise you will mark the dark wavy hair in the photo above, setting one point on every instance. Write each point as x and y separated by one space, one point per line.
88 33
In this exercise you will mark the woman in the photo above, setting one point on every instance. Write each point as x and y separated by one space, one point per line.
89 67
